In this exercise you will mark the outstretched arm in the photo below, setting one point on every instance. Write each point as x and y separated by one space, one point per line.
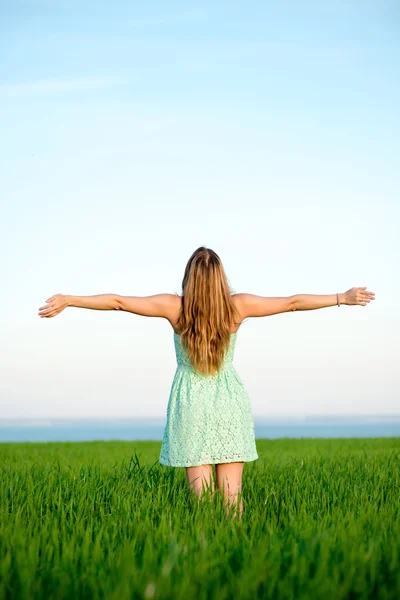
356 295
159 305
251 305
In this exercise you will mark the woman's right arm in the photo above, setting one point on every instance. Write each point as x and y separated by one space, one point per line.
250 305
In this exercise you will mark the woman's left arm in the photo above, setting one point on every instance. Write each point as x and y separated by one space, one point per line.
159 305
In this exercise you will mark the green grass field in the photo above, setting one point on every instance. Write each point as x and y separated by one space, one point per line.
105 520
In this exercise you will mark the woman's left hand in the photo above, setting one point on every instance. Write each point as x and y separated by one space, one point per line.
55 305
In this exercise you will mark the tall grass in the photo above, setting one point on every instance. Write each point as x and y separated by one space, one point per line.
105 520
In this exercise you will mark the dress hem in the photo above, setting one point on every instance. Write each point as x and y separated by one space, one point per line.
209 462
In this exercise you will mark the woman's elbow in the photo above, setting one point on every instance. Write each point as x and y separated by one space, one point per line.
117 303
293 303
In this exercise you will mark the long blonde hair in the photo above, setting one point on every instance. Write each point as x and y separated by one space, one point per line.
207 311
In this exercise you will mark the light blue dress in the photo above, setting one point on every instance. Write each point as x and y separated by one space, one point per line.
209 417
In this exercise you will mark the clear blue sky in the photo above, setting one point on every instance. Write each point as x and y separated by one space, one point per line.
132 133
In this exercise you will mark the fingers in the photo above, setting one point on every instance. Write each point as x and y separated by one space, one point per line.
364 292
48 314
48 310
46 307
363 297
52 308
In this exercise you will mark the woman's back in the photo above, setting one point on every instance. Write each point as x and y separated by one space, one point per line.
183 360
209 417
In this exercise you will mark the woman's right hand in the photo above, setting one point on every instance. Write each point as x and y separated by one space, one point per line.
54 306
358 295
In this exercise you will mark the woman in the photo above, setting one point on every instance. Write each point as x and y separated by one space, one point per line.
209 417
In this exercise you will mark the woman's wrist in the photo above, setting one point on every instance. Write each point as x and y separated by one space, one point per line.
342 298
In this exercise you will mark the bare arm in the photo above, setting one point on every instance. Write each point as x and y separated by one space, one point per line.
250 305
97 302
353 296
159 305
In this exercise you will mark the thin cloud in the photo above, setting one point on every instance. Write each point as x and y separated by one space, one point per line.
51 86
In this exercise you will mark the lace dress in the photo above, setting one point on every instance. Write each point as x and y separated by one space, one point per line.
209 417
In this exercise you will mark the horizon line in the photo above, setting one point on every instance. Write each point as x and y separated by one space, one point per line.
158 418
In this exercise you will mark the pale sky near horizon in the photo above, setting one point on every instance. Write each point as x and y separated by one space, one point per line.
133 133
